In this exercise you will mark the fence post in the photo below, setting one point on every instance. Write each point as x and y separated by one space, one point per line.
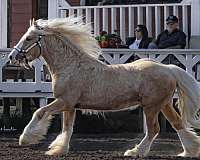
53 8
3 23
43 101
195 24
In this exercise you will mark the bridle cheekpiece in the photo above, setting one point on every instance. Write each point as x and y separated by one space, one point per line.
24 51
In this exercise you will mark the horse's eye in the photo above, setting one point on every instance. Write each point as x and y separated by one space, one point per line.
28 39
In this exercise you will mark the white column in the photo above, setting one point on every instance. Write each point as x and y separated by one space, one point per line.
157 20
113 20
131 21
19 106
185 19
149 20
43 102
63 14
166 14
105 19
3 24
140 15
38 69
88 15
53 8
82 2
122 24
175 10
185 23
79 12
195 24
96 21
71 12
195 20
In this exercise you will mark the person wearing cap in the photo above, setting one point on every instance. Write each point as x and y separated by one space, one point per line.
172 37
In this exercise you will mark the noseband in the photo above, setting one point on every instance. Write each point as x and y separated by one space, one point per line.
23 52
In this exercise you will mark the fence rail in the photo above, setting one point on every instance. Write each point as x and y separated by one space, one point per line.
39 88
188 58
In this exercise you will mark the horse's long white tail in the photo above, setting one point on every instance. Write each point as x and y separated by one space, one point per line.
189 96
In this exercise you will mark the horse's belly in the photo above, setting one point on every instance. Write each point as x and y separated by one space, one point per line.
112 100
109 106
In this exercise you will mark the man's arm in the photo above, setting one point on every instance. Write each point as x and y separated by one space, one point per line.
182 40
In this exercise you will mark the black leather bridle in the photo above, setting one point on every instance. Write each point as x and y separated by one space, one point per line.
23 52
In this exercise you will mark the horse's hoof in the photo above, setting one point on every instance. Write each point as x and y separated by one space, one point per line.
132 152
26 139
57 150
183 154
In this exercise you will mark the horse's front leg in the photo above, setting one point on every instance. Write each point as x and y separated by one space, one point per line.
38 126
61 144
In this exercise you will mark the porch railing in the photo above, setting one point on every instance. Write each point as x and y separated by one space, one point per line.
124 18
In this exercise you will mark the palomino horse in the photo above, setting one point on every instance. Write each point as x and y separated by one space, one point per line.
81 82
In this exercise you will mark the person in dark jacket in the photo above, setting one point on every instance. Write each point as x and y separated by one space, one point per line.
172 37
141 39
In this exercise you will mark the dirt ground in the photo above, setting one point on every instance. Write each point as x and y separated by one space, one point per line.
92 147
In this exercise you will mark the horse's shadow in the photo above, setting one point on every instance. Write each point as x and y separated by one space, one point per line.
43 145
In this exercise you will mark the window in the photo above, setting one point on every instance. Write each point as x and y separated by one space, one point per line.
42 9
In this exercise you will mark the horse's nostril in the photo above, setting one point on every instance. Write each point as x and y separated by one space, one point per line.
10 57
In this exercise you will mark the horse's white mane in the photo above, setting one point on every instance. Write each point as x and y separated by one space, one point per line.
74 30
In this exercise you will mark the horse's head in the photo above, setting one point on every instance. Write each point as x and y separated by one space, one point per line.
29 47
54 35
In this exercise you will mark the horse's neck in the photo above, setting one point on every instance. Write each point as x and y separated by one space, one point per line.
64 58
52 53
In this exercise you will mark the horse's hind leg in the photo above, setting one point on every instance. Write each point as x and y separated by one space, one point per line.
61 144
189 140
38 126
153 128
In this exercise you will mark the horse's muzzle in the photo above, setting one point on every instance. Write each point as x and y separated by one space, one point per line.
16 57
12 56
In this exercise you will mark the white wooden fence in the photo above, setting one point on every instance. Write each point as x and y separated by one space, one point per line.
39 88
189 58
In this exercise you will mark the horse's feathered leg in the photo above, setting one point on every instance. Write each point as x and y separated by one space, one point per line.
38 126
153 128
61 144
189 140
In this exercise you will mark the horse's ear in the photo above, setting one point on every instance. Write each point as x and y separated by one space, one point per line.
32 22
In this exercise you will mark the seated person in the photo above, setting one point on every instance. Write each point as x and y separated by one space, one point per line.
140 40
172 37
